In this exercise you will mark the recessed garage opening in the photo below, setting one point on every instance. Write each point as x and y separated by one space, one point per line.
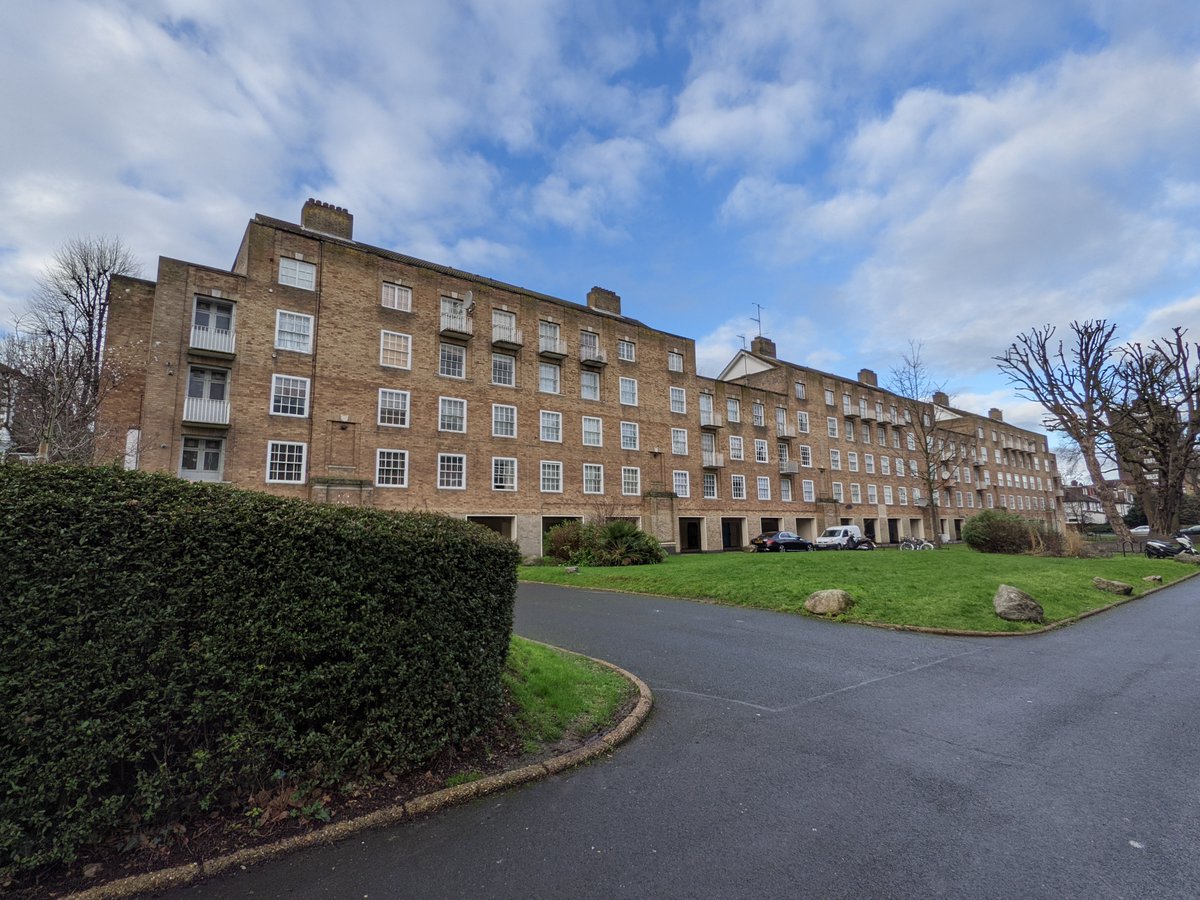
768 524
733 534
549 522
502 525
691 531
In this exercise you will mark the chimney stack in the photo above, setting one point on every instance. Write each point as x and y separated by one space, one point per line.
603 300
327 219
763 347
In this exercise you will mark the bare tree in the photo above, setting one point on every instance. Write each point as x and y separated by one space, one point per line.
1076 387
70 303
1155 424
935 438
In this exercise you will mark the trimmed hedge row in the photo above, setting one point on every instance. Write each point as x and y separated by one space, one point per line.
167 647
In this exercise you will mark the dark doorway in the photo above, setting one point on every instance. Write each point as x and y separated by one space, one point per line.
769 524
869 529
893 531
502 525
690 535
731 534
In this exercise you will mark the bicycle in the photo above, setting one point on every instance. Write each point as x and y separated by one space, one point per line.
910 543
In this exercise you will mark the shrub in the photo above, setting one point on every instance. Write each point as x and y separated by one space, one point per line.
165 647
997 531
617 543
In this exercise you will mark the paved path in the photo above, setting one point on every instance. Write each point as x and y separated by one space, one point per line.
788 757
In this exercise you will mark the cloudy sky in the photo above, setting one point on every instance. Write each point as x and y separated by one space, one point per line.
870 171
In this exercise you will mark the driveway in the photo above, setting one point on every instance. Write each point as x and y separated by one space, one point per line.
788 757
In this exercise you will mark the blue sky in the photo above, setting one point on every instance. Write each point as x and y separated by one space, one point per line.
871 172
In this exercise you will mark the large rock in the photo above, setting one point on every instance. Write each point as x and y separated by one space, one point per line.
1153 579
1017 606
1113 587
832 602
1192 559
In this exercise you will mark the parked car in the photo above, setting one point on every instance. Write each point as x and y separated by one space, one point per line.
1140 531
776 541
1191 531
844 537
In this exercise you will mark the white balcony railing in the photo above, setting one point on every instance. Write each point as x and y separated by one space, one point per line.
710 419
215 339
205 411
552 346
458 324
711 459
789 467
593 355
784 430
503 334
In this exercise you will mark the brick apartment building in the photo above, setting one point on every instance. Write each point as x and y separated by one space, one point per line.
322 368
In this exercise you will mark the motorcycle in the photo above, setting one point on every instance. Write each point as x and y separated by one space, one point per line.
1180 546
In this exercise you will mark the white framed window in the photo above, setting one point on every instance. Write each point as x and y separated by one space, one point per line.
737 487
452 360
630 436
887 494
852 461
204 384
829 401
504 326
805 452
391 468
958 499
869 463
831 426
866 433
733 409
551 477
504 420
785 490
589 346
681 483
835 459
809 490
674 361
452 472
872 494
202 459
549 378
504 369
593 434
678 400
548 338
286 462
452 414
679 441
839 493
910 441
212 324
710 485
626 351
764 487
902 495
757 414
849 431
631 481
782 452
912 468
846 408
802 422
397 296
293 331
736 449
760 451
593 478
504 473
589 385
289 396
297 273
855 493
551 427
393 408
885 465
629 391
395 350
801 391
895 439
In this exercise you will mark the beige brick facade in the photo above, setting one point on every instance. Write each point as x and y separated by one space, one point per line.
327 369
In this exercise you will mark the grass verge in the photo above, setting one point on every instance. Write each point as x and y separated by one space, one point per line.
559 693
948 588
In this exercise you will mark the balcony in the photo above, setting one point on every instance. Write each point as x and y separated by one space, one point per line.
213 340
555 348
592 356
711 459
868 415
789 467
711 420
457 326
784 431
507 338
202 411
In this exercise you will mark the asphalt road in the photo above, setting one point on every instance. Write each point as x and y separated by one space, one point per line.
788 757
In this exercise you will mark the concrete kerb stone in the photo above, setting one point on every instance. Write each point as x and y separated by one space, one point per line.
180 876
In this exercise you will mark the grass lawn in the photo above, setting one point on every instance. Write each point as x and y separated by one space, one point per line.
559 693
947 588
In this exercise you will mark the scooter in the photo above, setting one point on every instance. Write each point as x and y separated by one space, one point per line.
1181 545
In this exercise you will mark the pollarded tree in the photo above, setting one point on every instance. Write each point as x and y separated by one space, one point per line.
1077 387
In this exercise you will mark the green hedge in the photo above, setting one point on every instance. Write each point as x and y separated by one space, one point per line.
166 647
999 531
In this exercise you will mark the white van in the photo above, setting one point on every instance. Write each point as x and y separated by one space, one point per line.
839 537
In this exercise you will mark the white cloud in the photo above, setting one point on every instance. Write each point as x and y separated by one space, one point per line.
592 179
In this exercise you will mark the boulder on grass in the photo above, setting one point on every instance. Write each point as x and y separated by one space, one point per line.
1153 579
1016 605
1113 587
832 602
1192 559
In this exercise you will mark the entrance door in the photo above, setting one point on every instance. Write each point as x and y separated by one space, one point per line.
893 531
731 534
689 535
869 528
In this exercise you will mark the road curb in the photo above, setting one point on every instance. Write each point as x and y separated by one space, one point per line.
180 876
